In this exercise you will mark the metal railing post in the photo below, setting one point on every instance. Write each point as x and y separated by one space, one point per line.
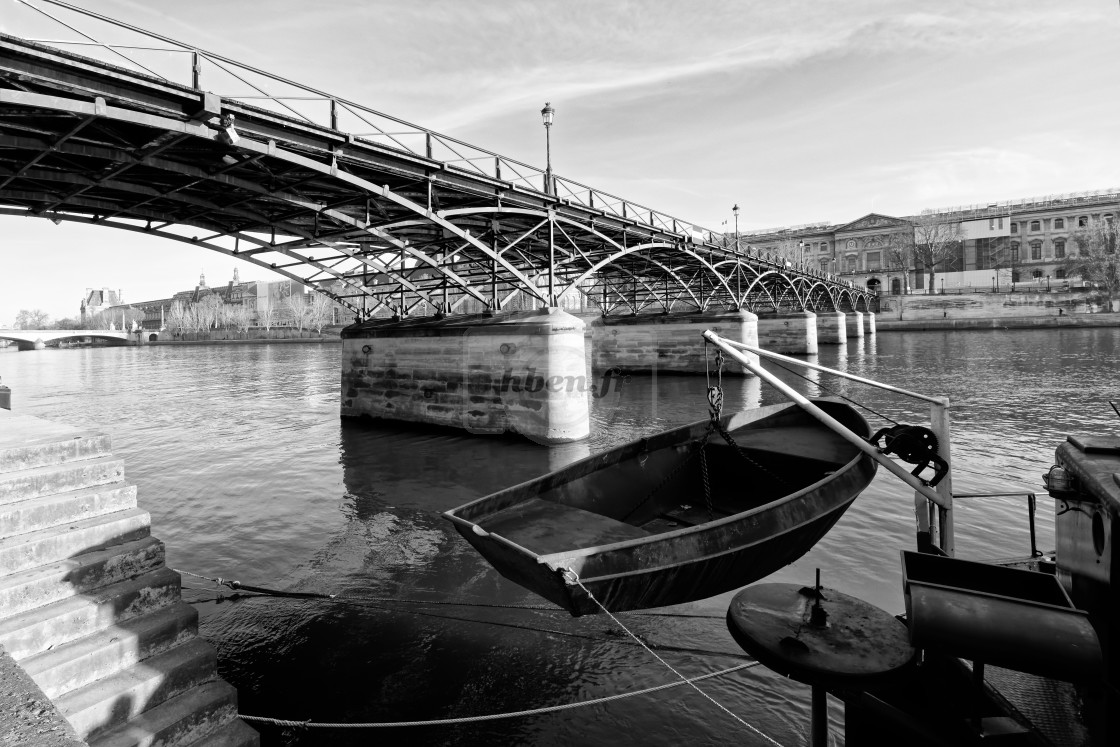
939 424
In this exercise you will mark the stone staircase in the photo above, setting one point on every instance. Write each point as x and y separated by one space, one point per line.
87 607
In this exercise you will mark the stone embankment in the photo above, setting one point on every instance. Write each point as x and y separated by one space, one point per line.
1019 310
89 613
282 335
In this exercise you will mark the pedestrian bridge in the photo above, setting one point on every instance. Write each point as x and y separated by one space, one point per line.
378 213
34 339
453 242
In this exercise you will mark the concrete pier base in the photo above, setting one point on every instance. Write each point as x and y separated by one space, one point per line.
870 322
854 323
668 343
519 372
831 328
789 334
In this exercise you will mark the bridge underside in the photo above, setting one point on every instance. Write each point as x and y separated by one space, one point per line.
375 225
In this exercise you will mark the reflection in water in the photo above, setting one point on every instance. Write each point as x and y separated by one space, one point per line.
248 473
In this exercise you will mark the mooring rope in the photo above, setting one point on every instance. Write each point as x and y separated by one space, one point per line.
571 575
497 716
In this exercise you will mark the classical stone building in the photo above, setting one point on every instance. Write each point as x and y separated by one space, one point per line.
1023 242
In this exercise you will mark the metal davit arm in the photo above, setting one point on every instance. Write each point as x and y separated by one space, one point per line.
942 496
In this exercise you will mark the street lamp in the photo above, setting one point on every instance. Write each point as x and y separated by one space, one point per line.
1047 283
547 113
735 211
801 252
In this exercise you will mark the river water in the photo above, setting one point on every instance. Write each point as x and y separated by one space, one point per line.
249 474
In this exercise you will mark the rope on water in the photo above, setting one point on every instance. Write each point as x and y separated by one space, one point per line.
496 716
572 576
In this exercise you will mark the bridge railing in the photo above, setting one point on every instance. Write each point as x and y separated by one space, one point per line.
151 54
177 62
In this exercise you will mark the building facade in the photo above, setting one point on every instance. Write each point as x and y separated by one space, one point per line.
1024 243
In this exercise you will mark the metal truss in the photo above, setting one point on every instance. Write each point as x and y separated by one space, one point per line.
365 219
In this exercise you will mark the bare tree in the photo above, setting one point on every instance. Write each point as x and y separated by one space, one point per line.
209 310
320 312
240 316
266 311
936 238
1097 260
32 319
789 248
298 311
178 317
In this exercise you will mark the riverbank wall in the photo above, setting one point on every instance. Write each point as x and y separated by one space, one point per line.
992 305
999 322
281 335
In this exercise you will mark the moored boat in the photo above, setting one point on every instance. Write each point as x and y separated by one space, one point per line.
678 516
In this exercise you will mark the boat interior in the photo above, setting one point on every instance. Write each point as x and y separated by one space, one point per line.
658 485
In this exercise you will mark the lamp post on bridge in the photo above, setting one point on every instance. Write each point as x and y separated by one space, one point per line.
547 113
735 212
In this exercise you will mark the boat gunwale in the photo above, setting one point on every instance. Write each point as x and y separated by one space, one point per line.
596 462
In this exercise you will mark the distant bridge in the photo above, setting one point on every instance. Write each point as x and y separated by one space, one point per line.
375 212
29 339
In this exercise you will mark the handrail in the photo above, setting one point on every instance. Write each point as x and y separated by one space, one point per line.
828 420
825 369
928 503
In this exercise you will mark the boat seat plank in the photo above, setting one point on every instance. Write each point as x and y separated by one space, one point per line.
807 442
546 527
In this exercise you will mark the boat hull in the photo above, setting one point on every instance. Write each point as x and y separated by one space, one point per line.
672 567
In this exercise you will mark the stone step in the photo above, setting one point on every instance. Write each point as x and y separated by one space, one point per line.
57 543
189 719
236 733
78 663
82 574
107 703
61 508
42 448
41 628
57 478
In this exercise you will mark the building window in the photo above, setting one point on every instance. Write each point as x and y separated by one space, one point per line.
824 265
1059 248
1036 225
1060 274
1036 273
873 260
1059 224
824 246
853 264
1014 228
991 224
1036 250
1082 221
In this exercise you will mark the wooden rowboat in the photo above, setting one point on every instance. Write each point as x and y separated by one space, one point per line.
637 528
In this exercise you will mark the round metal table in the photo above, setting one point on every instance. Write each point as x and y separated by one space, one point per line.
819 636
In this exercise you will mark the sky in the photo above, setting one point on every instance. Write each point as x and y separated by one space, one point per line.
798 112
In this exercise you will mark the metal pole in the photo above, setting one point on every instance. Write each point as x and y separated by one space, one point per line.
548 159
196 71
826 419
551 260
819 717
939 424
